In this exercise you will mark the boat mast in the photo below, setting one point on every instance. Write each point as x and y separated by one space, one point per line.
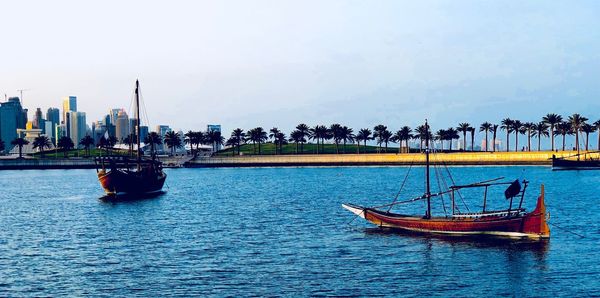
137 122
427 187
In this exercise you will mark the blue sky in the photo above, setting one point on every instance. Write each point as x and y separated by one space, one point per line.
279 63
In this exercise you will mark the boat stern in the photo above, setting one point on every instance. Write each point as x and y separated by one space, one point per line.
535 223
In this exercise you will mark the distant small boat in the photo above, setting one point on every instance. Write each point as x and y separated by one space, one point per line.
121 176
568 163
514 221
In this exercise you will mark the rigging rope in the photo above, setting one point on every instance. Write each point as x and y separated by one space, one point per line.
454 183
402 185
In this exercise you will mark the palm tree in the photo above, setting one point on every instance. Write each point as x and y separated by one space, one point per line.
597 124
552 120
238 134
377 131
346 135
42 142
441 135
66 144
422 133
385 137
153 139
20 142
587 129
563 128
472 131
336 134
364 134
298 137
517 128
464 128
451 134
507 124
577 122
273 135
540 130
494 131
173 141
485 126
193 138
232 142
529 127
257 135
305 131
281 139
129 141
405 134
400 136
87 142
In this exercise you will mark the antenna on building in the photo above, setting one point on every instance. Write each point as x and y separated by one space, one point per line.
21 91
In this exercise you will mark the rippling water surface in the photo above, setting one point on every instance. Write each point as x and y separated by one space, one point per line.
281 231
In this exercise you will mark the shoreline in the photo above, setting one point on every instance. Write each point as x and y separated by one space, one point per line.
542 158
383 159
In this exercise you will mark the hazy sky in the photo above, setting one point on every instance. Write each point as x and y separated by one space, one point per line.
279 63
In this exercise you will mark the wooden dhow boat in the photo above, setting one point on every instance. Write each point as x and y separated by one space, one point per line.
121 176
575 162
514 221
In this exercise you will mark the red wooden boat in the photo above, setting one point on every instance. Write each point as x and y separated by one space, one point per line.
511 222
120 176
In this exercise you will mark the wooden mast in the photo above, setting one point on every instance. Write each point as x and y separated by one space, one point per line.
427 188
137 123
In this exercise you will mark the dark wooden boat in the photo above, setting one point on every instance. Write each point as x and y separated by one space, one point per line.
514 221
121 176
575 162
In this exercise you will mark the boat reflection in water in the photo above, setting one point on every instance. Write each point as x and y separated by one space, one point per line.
114 198
539 247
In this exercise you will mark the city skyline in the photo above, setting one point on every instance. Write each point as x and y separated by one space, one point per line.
257 64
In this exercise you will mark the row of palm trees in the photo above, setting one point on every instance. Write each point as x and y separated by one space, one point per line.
43 143
550 125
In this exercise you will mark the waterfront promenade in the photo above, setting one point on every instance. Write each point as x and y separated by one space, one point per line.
456 158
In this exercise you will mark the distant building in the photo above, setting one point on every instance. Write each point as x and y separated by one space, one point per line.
162 130
59 132
53 115
12 117
214 127
69 105
122 126
49 127
38 120
78 127
113 114
143 133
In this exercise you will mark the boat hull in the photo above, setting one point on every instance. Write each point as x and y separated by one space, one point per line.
531 225
565 164
131 182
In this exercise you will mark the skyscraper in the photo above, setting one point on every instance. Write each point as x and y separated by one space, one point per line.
11 118
78 127
143 133
53 115
38 120
69 105
122 129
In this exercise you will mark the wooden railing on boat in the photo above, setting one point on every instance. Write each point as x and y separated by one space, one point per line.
120 162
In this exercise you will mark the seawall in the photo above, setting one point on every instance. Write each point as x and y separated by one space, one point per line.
41 164
458 158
